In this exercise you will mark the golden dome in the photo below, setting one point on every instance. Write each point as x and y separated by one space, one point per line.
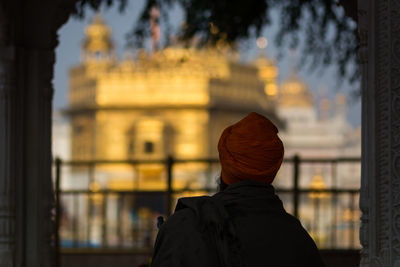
98 37
266 67
295 93
318 183
267 72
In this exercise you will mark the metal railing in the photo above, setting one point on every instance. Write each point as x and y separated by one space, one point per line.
95 204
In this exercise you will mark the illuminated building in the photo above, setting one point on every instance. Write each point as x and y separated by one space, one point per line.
171 102
175 101
319 130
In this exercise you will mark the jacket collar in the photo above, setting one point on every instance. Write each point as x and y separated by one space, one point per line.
250 183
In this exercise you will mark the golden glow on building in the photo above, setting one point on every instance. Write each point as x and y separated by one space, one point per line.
175 101
318 183
295 93
267 72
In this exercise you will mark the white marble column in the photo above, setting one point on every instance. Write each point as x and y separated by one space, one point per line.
379 29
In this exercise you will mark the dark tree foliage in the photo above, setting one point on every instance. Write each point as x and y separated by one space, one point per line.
224 19
96 4
330 34
328 26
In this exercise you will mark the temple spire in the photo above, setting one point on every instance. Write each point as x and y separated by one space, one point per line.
98 44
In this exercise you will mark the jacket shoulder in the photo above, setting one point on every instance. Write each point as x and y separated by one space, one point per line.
192 203
179 241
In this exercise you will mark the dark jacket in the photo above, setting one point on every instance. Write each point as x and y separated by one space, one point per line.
244 225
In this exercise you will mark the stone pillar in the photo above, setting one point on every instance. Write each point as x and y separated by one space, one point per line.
26 197
379 31
39 227
9 122
27 53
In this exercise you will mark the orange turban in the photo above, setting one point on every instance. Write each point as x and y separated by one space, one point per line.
250 150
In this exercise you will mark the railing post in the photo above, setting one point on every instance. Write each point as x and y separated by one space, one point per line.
57 217
334 203
90 202
169 162
296 195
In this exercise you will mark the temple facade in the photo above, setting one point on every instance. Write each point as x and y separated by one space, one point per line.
317 128
172 102
176 102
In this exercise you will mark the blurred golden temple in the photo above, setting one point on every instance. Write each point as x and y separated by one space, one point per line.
175 101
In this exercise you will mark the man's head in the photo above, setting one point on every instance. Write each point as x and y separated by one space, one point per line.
250 150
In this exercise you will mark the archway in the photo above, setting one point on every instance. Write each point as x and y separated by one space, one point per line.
28 39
